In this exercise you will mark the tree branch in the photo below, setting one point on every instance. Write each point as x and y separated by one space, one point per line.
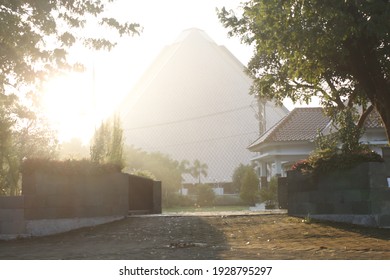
336 96
364 116
351 98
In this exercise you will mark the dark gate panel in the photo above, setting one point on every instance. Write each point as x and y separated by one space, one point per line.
282 192
140 194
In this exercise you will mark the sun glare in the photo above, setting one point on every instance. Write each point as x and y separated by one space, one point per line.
69 104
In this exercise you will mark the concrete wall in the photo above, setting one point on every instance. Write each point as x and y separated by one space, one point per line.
12 217
49 196
359 195
54 203
58 203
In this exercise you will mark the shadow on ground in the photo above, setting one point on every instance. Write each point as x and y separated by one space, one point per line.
377 233
208 237
132 238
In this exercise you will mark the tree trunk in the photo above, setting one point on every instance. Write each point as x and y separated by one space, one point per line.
366 69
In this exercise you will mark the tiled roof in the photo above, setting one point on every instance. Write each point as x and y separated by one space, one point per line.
304 123
300 125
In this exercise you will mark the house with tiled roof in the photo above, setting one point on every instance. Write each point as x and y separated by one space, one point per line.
293 139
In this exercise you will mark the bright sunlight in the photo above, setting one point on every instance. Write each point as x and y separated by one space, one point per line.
76 103
71 106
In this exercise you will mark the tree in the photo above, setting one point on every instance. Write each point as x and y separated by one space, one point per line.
161 166
184 168
107 143
198 169
336 50
36 37
206 195
22 135
249 187
238 176
116 150
74 149
6 143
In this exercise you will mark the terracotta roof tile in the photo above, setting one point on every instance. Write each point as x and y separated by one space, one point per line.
301 124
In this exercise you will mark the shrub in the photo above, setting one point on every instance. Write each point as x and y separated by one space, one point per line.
175 199
322 163
68 167
229 199
143 173
206 195
269 194
238 176
302 166
343 161
328 156
249 188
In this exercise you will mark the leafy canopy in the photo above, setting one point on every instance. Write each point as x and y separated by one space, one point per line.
249 187
35 37
35 40
338 51
198 169
107 143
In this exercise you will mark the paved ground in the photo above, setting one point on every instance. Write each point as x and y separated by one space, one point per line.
218 236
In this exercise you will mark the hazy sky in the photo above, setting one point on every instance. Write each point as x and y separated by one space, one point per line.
163 21
116 72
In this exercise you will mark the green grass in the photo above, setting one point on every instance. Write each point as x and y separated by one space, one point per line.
205 209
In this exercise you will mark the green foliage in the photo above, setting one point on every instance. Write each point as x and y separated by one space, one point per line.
35 39
327 159
23 134
67 167
338 51
37 35
328 156
269 194
73 149
206 195
238 176
163 168
228 200
349 133
198 169
115 154
178 200
144 173
323 165
107 143
303 166
249 187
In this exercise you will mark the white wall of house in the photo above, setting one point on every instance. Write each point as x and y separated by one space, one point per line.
218 191
276 158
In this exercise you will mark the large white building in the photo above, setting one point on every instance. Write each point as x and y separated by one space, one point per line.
194 103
